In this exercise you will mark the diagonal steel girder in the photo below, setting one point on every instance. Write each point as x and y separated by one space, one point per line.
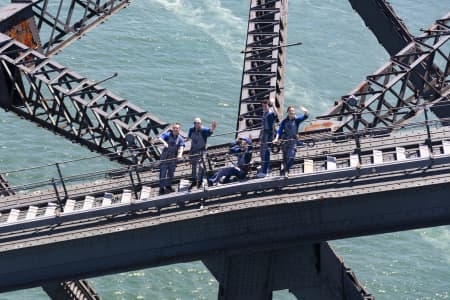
5 188
61 22
58 99
381 19
393 35
388 98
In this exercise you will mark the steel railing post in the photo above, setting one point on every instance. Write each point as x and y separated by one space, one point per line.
66 194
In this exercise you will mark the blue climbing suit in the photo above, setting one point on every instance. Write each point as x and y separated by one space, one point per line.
169 158
266 136
288 132
198 152
240 168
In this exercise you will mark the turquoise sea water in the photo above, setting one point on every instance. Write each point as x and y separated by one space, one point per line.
181 58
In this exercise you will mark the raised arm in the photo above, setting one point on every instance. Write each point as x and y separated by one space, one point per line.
162 137
279 131
305 111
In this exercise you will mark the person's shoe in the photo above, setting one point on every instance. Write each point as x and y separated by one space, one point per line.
161 191
199 185
261 175
169 189
191 186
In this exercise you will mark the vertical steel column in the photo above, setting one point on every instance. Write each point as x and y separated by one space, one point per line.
264 58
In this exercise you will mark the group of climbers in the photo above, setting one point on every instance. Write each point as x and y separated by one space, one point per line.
242 148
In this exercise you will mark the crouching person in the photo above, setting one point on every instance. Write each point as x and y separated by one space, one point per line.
242 148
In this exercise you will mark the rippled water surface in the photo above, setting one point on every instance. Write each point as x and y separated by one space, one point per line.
181 58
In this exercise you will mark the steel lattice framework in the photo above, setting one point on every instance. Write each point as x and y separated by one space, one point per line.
66 103
61 22
418 75
38 89
47 28
381 19
4 187
264 58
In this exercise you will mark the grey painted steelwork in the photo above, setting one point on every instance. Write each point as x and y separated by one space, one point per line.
5 189
70 290
398 91
412 142
261 32
372 183
381 19
137 213
66 290
60 100
391 32
264 58
53 31
44 92
61 22
274 213
367 171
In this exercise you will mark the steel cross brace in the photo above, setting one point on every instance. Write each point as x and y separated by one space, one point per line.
389 97
73 106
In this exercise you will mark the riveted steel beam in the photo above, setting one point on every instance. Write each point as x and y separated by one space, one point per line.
60 100
264 58
403 87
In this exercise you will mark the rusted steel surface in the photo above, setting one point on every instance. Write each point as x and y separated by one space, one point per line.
23 33
61 22
17 21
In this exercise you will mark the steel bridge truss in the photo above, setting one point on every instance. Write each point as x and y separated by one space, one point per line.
5 189
415 77
65 290
380 17
75 107
264 59
59 23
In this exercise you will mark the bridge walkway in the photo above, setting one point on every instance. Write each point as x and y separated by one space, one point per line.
333 199
319 156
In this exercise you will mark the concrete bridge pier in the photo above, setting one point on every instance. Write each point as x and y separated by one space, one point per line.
310 271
